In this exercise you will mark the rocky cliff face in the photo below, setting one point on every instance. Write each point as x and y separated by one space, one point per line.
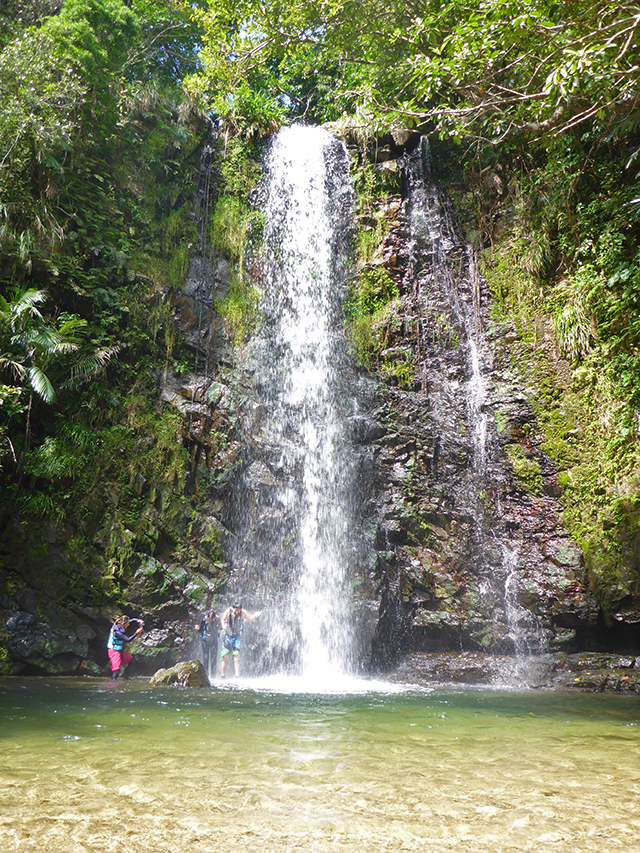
458 543
471 549
459 538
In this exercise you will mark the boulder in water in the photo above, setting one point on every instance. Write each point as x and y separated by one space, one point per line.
187 673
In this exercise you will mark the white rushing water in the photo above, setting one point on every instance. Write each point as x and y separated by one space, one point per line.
525 628
476 393
307 213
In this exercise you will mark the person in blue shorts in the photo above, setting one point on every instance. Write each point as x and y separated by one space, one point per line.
232 624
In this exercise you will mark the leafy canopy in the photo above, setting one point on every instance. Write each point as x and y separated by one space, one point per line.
487 68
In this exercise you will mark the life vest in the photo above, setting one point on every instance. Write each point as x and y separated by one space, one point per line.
114 642
208 630
234 624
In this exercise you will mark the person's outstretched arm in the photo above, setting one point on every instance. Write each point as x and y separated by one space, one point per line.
249 617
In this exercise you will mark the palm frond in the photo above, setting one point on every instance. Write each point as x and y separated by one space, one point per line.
18 369
46 339
85 368
70 327
40 383
25 301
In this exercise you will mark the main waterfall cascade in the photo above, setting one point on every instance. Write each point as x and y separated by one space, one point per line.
296 552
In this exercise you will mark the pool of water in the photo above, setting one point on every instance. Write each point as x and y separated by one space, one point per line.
97 766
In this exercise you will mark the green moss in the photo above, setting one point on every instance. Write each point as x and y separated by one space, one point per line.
590 433
402 371
526 469
234 230
501 421
210 543
5 660
239 309
371 334
232 223
374 289
514 286
197 591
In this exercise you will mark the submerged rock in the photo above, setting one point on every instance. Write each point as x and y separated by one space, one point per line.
594 672
599 672
187 673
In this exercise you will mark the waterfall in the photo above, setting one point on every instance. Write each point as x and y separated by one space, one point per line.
441 254
305 547
523 628
443 287
443 282
476 390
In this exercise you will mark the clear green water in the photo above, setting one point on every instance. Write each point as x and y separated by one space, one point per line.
88 766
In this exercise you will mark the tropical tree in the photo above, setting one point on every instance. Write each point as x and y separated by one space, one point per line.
33 352
480 68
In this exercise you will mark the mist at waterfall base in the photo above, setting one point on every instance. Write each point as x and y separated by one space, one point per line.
296 553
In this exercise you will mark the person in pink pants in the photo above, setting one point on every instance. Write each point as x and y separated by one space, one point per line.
118 656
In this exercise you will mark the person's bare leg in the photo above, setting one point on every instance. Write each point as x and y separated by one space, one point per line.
236 664
223 666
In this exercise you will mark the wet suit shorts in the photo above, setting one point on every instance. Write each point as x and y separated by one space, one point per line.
230 645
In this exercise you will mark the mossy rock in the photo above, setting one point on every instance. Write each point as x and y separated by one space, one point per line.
187 673
526 469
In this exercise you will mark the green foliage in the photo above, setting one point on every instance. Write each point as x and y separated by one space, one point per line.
169 40
492 70
36 353
572 321
237 165
244 45
373 310
374 289
591 431
371 334
232 224
99 151
234 229
96 191
239 309
72 468
400 368
71 108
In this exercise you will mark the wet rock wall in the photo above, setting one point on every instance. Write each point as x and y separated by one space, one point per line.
471 549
